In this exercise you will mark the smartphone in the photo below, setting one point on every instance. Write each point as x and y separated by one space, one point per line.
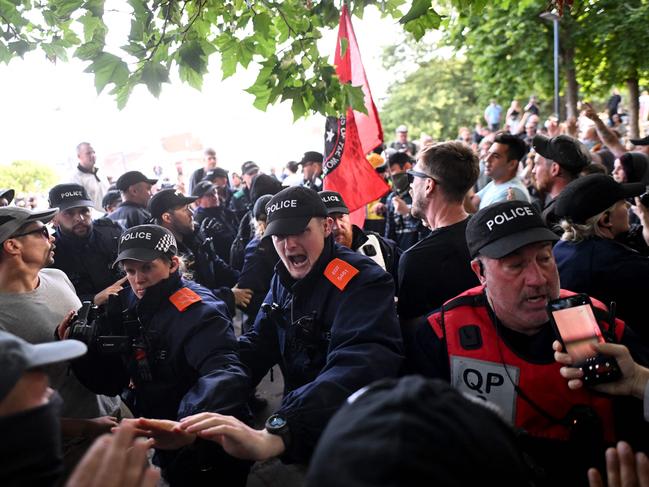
577 329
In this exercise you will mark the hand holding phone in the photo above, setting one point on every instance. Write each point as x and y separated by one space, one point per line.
576 327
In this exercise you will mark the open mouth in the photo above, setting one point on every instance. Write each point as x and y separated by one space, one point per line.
537 299
297 260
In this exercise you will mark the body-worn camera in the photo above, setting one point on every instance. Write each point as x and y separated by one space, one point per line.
110 330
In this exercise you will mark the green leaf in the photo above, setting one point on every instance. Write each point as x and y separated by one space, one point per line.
19 48
89 50
188 75
64 8
153 75
191 54
419 26
262 23
344 43
298 108
5 53
108 68
417 10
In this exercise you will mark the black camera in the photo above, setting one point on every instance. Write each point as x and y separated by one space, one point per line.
108 330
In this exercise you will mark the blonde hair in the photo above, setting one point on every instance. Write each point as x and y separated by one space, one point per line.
576 232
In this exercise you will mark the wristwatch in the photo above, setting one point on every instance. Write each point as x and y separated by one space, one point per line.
277 425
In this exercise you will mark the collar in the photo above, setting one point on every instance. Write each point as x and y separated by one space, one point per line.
155 296
318 269
71 239
92 171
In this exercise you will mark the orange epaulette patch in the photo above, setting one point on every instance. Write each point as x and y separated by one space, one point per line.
184 298
340 273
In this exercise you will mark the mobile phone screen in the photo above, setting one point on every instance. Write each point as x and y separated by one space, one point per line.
579 329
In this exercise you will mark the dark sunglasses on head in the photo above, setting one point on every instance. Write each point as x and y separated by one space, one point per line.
42 230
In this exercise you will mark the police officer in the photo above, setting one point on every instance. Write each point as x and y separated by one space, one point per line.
381 250
219 178
328 320
85 250
170 209
240 202
136 193
495 342
216 220
181 359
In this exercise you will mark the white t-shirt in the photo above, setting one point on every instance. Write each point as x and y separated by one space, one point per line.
33 316
497 193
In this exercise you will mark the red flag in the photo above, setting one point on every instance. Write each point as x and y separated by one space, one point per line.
349 69
345 167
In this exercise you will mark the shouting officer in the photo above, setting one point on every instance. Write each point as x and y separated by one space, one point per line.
85 250
381 250
181 358
495 342
328 320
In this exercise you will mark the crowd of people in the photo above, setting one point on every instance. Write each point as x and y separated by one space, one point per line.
415 349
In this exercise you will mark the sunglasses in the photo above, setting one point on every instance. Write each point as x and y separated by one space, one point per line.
412 174
42 230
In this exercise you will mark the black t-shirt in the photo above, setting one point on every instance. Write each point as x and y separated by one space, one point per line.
434 270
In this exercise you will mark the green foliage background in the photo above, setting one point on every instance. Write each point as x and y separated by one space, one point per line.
27 177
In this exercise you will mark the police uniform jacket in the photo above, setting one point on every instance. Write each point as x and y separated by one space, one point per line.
208 269
332 332
191 355
222 230
88 262
258 270
129 214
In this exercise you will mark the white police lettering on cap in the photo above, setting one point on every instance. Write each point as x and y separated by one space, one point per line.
134 235
331 197
509 215
281 205
72 194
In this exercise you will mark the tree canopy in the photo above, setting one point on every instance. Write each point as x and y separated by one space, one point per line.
280 37
27 177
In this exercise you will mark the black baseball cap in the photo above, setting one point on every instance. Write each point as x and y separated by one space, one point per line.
110 198
146 243
14 217
130 178
642 141
66 196
202 188
412 432
7 194
166 200
290 211
590 195
499 229
217 172
249 167
334 202
311 157
566 151
18 356
259 209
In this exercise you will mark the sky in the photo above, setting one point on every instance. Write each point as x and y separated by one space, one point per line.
49 108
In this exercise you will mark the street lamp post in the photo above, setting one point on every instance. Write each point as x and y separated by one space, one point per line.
552 16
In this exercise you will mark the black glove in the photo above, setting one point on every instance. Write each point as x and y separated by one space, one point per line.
211 226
